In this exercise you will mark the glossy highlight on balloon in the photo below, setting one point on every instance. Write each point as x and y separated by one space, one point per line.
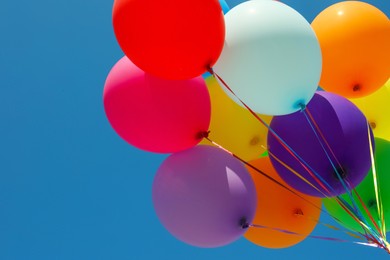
154 114
355 44
345 138
203 196
271 58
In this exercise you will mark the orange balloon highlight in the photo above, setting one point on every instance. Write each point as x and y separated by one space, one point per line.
281 209
355 43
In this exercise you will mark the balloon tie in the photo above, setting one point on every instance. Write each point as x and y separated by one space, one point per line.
202 134
210 70
356 88
302 106
244 223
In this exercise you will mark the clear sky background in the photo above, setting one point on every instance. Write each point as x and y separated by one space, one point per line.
70 188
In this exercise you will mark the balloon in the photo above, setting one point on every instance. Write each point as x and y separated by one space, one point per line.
279 208
225 9
233 126
366 191
377 111
203 196
233 3
224 5
271 58
345 130
310 9
154 114
170 39
355 43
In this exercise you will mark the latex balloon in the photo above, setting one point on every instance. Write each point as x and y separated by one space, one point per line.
233 3
224 5
310 9
376 108
233 126
271 58
355 43
366 191
279 208
343 134
170 39
203 196
154 114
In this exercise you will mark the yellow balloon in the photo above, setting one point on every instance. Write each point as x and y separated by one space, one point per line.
233 126
376 108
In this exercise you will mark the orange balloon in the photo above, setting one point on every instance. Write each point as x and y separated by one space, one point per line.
281 209
355 43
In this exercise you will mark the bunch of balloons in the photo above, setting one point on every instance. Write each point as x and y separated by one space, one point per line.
255 148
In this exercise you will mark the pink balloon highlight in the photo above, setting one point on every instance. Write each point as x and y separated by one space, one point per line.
154 114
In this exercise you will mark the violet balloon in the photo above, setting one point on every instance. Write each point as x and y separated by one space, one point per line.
203 196
345 130
153 114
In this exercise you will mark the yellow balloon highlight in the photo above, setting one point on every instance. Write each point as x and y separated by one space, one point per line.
233 126
376 108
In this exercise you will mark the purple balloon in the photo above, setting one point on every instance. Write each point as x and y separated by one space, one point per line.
344 128
203 196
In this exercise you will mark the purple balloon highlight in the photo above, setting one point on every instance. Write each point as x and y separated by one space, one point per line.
344 128
203 196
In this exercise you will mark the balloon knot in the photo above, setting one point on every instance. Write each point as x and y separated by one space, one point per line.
357 87
339 172
373 125
302 106
298 212
210 70
244 223
203 134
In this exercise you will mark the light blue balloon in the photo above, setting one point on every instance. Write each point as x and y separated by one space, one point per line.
271 58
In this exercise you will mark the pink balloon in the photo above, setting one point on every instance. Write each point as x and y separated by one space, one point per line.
154 114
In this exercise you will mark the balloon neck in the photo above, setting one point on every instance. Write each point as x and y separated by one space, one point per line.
298 212
371 203
301 105
202 134
340 173
356 88
373 125
244 223
210 70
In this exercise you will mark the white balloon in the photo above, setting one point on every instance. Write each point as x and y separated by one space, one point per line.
271 58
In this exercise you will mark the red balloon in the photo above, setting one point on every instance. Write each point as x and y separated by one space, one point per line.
172 39
155 114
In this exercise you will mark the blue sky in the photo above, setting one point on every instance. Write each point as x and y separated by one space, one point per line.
70 188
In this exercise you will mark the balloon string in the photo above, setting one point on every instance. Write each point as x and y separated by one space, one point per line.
359 216
295 172
315 176
323 138
354 234
376 184
307 167
261 172
206 136
311 236
318 133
